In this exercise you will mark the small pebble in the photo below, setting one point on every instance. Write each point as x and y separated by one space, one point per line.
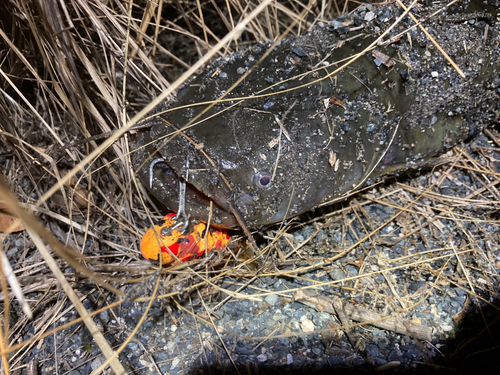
307 326
335 24
96 363
175 362
268 105
262 358
337 274
271 299
299 52
446 327
369 16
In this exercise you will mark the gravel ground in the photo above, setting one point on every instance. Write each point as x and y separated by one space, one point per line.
172 341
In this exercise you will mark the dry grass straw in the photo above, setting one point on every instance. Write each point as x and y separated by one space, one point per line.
73 70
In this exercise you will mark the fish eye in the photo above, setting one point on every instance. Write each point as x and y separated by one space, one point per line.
263 179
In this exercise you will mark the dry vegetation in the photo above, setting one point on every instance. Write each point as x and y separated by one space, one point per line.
74 75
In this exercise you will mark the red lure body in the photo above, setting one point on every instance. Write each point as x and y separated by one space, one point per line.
181 247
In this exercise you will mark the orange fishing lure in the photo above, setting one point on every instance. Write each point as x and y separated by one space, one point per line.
183 246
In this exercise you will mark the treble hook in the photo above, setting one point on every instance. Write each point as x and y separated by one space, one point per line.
181 212
181 221
151 166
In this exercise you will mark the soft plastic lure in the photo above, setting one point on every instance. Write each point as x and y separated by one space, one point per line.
184 246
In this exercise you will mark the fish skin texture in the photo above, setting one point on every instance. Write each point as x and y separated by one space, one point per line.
389 112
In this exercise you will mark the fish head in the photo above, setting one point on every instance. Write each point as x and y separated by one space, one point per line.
264 175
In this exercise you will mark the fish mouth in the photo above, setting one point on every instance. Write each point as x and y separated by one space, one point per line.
161 177
164 183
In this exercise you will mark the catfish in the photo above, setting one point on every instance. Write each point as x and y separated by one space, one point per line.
278 129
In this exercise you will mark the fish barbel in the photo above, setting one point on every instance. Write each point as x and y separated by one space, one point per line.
297 132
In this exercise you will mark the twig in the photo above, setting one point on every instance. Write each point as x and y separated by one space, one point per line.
363 315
